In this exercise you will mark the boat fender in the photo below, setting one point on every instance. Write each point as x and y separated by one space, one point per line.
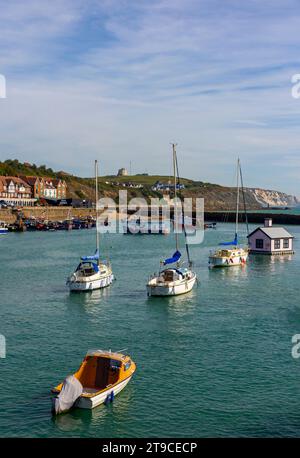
109 398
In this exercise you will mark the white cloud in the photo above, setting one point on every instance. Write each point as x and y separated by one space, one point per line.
120 79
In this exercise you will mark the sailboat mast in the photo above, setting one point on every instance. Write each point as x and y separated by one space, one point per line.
244 199
96 197
175 195
238 196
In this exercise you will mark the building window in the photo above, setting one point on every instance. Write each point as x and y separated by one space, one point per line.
286 243
259 243
277 244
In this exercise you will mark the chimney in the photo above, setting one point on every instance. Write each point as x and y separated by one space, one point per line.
268 222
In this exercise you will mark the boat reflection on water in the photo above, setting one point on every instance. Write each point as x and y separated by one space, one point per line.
181 305
237 272
71 421
267 264
282 258
89 301
76 419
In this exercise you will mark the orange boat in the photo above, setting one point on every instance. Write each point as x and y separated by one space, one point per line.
101 376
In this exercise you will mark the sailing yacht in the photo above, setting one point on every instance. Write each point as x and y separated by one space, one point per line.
178 279
91 273
234 255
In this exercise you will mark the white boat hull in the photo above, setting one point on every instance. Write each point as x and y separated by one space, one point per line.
215 261
91 284
3 230
94 401
172 289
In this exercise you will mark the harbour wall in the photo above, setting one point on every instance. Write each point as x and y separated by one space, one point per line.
62 213
47 213
278 218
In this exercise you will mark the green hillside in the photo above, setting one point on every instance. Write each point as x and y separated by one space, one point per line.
216 196
12 167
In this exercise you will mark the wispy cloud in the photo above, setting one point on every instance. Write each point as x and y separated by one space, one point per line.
118 79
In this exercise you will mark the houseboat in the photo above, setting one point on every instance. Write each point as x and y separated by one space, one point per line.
270 240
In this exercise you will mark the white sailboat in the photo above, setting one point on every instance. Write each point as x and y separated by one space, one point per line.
234 255
91 273
180 279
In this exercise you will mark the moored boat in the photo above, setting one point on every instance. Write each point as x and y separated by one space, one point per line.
229 257
91 273
101 376
146 226
3 228
173 281
235 255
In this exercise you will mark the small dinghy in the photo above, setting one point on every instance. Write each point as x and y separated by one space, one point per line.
101 376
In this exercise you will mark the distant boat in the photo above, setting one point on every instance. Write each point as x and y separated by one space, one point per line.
146 226
234 256
3 228
91 273
210 225
173 281
101 376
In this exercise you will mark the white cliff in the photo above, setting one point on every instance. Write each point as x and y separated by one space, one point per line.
270 198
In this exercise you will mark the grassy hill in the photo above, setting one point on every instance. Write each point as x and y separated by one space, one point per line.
216 197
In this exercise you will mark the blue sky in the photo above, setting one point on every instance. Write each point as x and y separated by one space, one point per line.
118 80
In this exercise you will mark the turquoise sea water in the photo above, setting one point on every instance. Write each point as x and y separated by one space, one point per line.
216 362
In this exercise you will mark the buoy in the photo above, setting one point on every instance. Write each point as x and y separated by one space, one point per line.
112 396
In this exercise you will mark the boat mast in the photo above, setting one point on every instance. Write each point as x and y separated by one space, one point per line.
238 197
184 230
96 196
244 199
175 195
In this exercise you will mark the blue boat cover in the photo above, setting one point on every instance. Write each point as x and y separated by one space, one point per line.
234 242
176 256
95 257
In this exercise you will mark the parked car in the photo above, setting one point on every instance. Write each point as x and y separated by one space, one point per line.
3 204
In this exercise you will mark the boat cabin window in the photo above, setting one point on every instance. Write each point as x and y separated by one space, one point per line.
86 269
168 275
127 365
115 364
225 253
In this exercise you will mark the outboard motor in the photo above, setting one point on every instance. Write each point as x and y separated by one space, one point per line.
70 392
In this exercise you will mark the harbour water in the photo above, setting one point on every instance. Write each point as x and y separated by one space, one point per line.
216 362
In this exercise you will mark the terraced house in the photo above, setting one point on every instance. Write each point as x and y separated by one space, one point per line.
45 187
14 190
